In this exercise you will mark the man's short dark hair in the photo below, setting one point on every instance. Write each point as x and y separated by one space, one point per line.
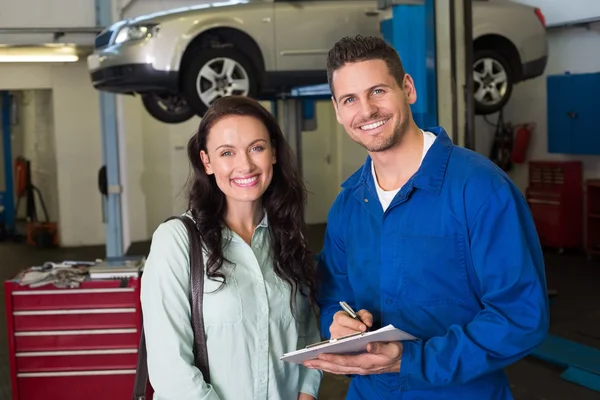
361 48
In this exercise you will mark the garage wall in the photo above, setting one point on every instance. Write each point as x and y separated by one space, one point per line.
33 138
158 168
165 168
47 13
77 142
573 49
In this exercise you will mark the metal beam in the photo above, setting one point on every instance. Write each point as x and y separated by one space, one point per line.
110 150
469 84
292 122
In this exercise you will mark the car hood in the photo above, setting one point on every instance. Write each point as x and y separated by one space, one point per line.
200 8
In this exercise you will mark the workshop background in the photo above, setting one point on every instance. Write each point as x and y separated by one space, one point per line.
546 137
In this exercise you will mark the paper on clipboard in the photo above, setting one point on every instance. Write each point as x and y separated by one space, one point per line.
348 345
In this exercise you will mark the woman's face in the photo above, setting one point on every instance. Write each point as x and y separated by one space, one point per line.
240 156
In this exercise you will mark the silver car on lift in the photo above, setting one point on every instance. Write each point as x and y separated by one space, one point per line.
181 60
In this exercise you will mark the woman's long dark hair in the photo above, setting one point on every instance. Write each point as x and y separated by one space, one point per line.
284 200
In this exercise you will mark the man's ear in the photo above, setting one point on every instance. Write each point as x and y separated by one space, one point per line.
206 162
408 85
335 107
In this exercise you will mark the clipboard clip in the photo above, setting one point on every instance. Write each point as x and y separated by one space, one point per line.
334 340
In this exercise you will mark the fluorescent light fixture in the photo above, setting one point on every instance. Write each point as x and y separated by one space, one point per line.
33 58
38 54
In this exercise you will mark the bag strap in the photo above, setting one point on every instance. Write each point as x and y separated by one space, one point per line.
196 303
197 297
141 372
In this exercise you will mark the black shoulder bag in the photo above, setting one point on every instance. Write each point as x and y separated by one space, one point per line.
196 297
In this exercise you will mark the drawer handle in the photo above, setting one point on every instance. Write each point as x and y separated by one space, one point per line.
70 291
75 373
548 202
77 311
75 353
78 332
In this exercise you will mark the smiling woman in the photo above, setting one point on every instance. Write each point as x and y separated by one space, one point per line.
240 156
247 201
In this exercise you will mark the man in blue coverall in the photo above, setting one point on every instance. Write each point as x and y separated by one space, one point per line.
427 236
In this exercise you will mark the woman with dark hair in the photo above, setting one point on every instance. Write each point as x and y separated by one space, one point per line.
247 200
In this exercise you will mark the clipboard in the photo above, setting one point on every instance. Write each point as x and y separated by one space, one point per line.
352 344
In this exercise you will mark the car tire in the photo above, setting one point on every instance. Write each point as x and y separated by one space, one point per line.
167 108
211 75
492 81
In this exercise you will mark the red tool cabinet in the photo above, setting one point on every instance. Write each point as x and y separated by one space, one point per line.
73 344
555 197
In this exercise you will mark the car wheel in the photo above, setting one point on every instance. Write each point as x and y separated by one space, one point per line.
492 81
217 73
167 107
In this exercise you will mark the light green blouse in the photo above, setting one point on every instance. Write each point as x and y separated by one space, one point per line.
248 323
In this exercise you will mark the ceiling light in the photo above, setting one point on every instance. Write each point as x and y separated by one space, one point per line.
21 58
38 54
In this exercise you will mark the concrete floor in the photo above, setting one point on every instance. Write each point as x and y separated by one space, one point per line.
574 316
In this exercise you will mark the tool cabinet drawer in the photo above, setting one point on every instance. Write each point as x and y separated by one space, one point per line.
98 318
76 360
77 340
56 299
88 385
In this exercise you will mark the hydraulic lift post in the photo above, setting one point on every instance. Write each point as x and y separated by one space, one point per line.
7 196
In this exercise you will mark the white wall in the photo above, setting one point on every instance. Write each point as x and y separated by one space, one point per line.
77 143
36 138
40 13
33 14
321 163
573 49
158 166
165 168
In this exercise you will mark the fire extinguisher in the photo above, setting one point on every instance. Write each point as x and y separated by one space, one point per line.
521 142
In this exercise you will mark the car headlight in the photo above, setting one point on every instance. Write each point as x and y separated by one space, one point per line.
136 32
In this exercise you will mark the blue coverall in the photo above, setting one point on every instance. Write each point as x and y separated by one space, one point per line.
455 261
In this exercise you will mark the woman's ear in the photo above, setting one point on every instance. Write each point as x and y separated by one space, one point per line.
206 162
274 156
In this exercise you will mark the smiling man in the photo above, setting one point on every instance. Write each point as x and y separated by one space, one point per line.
427 236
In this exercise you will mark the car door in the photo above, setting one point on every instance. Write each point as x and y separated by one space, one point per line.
305 30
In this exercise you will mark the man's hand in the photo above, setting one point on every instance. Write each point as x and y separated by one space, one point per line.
380 358
304 396
343 324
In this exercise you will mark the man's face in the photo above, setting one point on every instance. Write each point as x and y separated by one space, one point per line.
372 107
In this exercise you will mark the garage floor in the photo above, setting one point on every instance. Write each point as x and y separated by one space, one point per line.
576 308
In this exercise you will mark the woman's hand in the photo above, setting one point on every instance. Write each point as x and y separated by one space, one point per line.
304 396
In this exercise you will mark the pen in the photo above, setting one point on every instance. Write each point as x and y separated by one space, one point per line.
352 314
